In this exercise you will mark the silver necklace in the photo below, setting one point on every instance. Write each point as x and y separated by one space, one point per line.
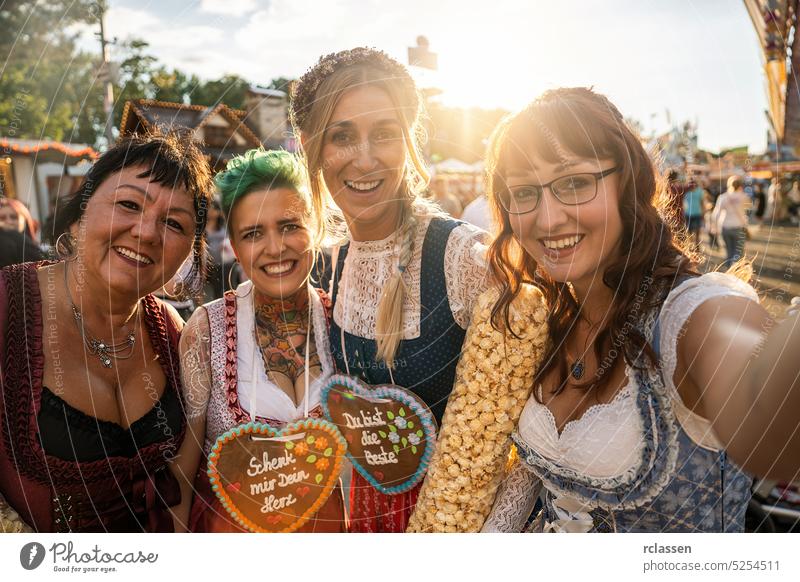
578 367
103 350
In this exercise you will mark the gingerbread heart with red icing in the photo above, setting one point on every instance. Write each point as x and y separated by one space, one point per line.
272 480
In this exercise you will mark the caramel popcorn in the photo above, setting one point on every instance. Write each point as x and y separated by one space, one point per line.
494 379
10 521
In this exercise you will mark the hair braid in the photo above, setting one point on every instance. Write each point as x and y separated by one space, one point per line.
389 324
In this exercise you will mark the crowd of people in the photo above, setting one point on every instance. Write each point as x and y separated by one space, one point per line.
660 394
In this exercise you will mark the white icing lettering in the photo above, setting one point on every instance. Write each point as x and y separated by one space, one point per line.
272 503
382 458
265 486
267 464
292 478
369 438
367 420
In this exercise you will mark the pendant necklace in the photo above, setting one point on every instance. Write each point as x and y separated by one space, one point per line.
578 367
103 350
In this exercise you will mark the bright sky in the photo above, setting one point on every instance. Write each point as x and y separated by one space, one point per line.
697 59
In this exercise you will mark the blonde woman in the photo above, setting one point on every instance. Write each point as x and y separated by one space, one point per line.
404 281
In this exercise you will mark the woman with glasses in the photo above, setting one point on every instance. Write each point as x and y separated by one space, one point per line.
652 369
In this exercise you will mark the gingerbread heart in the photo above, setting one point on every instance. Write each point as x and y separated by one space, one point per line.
390 432
276 480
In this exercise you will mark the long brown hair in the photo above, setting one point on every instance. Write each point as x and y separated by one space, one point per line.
586 124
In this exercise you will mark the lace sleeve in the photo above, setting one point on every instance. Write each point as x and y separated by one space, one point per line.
466 270
678 307
681 303
195 349
515 500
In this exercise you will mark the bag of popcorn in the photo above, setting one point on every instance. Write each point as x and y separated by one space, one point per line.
494 379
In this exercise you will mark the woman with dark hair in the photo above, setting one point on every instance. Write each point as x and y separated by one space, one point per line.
656 377
91 408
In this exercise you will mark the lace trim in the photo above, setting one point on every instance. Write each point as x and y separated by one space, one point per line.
516 498
251 373
606 441
224 409
658 458
77 419
679 306
369 265
24 369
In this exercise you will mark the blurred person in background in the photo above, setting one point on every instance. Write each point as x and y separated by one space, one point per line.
440 188
708 211
730 218
16 247
774 210
215 238
693 211
793 202
760 202
14 215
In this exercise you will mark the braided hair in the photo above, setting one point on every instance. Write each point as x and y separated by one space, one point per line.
314 99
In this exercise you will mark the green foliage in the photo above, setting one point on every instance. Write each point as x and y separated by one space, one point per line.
230 90
48 87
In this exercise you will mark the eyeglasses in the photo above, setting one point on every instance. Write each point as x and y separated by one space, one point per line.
569 190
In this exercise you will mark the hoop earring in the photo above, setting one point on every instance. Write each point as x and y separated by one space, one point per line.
230 284
65 249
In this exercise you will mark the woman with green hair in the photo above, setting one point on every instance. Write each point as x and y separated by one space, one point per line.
260 353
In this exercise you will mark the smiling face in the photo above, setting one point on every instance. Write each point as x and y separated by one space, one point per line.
134 234
364 156
571 243
272 241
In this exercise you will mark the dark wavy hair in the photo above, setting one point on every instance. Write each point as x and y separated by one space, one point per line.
172 159
580 122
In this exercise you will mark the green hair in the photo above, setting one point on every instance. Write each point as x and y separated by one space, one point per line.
259 169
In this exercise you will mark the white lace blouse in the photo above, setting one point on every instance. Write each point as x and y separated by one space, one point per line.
607 440
370 264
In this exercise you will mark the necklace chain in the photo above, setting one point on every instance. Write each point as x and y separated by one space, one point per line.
578 367
103 350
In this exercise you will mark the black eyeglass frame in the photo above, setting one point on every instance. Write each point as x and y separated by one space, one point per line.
596 175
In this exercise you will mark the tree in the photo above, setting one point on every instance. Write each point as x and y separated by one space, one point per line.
48 88
281 84
230 90
173 85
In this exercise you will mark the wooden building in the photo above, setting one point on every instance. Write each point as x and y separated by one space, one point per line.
222 130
